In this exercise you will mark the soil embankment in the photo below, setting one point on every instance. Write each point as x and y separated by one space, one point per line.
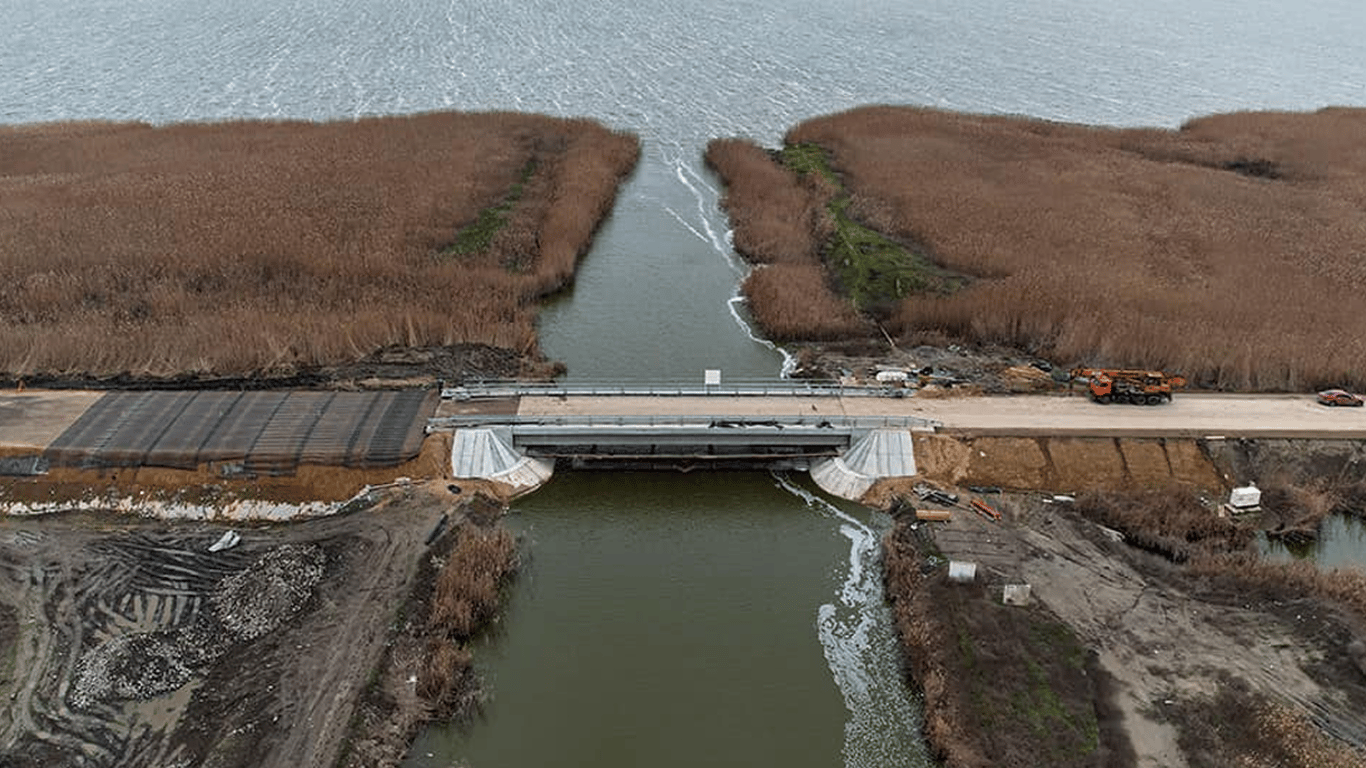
1173 645
1068 463
130 642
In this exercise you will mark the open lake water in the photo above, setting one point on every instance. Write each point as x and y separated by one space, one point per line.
679 619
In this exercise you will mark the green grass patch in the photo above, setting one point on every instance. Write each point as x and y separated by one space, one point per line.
873 270
478 235
1024 678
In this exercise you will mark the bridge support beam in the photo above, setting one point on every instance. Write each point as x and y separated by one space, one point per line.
488 453
881 453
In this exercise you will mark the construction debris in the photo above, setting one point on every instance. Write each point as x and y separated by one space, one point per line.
962 571
929 493
228 540
986 510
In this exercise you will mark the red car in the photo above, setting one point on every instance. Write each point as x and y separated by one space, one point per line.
1339 397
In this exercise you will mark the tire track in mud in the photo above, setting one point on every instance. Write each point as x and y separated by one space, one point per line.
132 645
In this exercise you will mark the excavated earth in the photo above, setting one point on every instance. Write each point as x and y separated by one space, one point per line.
1171 642
128 642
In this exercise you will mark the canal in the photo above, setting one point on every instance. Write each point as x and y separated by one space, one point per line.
700 619
665 619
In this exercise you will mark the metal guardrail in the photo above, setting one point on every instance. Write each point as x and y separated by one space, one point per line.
694 421
739 388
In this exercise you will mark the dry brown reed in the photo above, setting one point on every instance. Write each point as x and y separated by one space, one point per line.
780 221
268 247
1230 250
928 640
427 672
1172 522
468 586
445 664
1248 574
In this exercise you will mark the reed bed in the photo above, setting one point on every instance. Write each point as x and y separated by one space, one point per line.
780 221
1232 250
261 248
1239 727
1172 522
1215 551
469 585
427 672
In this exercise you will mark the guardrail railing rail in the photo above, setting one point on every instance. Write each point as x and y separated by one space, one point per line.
737 388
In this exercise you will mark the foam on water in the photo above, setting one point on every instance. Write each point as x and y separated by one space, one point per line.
860 647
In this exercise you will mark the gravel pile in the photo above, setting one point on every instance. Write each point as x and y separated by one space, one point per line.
263 596
134 666
247 605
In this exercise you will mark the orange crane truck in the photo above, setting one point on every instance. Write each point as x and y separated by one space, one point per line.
1115 385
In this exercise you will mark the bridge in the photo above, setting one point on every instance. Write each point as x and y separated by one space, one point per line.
847 437
845 453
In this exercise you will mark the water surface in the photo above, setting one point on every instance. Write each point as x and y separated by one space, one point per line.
701 619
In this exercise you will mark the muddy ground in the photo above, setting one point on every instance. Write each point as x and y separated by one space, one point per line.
1187 671
990 369
126 642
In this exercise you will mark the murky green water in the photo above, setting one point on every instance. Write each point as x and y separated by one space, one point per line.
1341 544
685 620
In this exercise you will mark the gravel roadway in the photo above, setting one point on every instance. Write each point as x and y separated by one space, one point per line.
1189 415
31 420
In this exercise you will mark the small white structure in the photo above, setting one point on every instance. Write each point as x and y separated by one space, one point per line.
1246 497
962 571
1243 500
1015 594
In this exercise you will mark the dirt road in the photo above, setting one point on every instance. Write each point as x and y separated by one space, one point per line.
1169 642
31 420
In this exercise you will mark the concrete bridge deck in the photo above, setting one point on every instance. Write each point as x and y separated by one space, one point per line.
1189 415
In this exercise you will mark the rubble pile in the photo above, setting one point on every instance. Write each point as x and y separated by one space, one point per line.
248 604
261 597
134 666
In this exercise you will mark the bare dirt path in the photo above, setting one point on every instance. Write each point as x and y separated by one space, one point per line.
32 419
1163 643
